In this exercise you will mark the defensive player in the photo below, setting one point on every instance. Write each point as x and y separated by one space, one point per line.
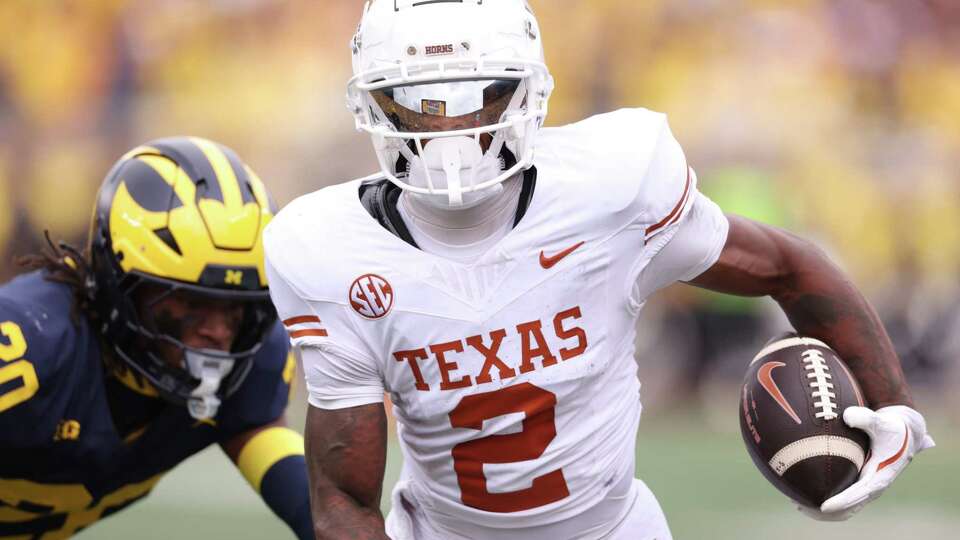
118 365
490 279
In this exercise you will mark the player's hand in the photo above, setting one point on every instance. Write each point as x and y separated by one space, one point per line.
896 435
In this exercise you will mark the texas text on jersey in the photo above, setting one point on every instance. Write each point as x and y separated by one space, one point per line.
512 376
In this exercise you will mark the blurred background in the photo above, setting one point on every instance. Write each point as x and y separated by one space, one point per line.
837 119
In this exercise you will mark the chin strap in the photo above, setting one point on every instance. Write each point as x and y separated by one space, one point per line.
211 370
452 160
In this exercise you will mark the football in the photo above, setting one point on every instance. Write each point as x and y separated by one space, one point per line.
791 407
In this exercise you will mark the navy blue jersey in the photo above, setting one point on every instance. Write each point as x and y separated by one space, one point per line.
77 444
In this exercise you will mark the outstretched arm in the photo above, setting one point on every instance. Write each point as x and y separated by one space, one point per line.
346 457
817 297
271 459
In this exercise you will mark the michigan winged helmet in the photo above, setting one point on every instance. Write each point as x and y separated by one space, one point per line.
181 216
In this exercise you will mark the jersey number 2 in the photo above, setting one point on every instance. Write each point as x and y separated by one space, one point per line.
539 429
13 367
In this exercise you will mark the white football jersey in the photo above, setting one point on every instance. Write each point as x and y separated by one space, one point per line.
513 377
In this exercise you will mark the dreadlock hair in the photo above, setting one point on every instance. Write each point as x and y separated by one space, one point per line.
65 264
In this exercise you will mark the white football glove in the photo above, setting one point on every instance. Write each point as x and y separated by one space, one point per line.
897 434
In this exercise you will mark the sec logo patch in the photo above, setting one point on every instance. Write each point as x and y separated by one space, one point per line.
371 296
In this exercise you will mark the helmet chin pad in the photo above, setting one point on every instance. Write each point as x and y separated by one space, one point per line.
454 165
210 367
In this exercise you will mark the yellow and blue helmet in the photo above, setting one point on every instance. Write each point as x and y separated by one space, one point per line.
181 215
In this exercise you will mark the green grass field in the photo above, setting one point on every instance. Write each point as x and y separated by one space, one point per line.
703 478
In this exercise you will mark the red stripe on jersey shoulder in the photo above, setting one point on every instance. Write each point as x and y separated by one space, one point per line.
320 332
301 320
676 212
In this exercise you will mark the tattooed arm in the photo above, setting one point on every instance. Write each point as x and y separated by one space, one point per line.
818 298
821 302
346 454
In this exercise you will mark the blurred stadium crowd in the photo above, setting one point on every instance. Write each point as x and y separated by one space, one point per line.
839 119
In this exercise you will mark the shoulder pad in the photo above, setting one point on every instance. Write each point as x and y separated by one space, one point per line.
626 163
326 233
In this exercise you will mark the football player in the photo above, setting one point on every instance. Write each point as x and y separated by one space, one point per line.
119 363
489 279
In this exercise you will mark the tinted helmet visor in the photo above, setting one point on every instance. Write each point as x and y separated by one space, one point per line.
446 106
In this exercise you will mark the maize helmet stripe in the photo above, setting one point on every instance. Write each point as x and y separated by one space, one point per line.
223 173
232 223
185 188
133 239
139 151
242 174
194 162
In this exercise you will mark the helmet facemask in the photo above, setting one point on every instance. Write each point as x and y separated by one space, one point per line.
154 340
440 129
450 142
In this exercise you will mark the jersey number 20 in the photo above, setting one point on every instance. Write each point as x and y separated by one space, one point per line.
539 429
13 367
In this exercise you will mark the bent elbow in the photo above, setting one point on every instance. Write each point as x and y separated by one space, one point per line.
801 264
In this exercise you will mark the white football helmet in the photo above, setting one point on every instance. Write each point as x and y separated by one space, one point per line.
443 87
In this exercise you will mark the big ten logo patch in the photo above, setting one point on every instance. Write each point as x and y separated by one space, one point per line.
67 430
371 296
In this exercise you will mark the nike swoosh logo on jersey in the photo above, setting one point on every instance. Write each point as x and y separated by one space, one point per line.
551 261
766 380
